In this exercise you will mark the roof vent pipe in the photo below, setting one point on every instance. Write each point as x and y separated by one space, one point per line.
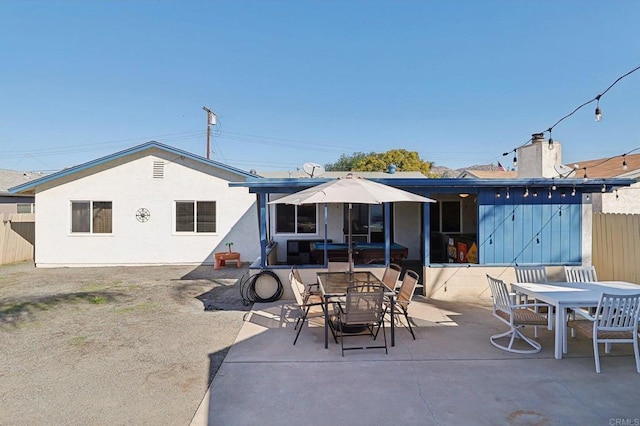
391 169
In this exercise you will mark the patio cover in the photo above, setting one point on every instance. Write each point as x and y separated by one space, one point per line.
351 189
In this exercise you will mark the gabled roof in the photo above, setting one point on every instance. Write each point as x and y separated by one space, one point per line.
610 167
489 174
9 178
121 154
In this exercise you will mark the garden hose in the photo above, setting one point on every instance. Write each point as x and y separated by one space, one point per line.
248 288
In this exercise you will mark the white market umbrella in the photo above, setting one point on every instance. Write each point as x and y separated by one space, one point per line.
351 189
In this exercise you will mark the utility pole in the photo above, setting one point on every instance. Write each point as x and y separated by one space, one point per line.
211 120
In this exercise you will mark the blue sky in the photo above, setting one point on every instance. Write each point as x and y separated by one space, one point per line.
460 82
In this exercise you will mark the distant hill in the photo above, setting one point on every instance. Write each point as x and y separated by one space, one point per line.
446 172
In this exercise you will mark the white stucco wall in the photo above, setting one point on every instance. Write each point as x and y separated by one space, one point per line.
129 185
624 200
407 227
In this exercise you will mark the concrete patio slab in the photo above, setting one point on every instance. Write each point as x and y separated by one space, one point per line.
449 375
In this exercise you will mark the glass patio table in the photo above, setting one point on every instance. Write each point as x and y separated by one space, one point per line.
333 285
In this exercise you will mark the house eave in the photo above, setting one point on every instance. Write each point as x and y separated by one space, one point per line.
29 187
289 185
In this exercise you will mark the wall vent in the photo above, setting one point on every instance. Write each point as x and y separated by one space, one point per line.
158 169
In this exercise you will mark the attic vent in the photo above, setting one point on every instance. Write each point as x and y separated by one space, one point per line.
158 169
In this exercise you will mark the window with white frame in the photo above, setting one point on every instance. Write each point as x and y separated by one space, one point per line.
91 217
292 219
25 208
195 216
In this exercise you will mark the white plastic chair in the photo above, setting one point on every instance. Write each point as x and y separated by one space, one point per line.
616 322
531 274
580 274
534 274
515 315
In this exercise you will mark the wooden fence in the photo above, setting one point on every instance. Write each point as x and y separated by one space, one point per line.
616 246
17 237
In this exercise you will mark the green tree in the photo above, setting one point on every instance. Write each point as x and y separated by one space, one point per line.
346 163
405 161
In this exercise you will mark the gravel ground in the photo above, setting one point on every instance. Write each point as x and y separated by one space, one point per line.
116 345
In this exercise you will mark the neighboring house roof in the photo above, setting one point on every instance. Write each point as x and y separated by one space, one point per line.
29 186
334 175
10 178
489 174
610 167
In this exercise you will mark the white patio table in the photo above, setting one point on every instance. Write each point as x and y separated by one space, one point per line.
564 295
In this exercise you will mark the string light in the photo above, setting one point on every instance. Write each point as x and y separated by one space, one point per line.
515 160
604 188
549 196
507 194
526 192
624 162
573 191
598 110
584 178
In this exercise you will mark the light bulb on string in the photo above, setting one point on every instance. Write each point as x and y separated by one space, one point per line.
604 188
573 191
598 111
526 192
549 196
515 160
584 178
507 194
624 162
550 139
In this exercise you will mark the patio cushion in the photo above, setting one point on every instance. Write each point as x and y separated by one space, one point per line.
524 316
586 328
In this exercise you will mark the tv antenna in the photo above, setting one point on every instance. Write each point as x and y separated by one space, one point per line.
313 169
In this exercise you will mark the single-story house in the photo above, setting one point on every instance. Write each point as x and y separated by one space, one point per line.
12 203
625 200
477 226
148 205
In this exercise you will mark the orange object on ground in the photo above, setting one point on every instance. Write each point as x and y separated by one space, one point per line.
222 257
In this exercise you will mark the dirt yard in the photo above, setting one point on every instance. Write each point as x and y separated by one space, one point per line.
125 345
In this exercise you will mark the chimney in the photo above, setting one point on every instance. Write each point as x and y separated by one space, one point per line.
539 158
